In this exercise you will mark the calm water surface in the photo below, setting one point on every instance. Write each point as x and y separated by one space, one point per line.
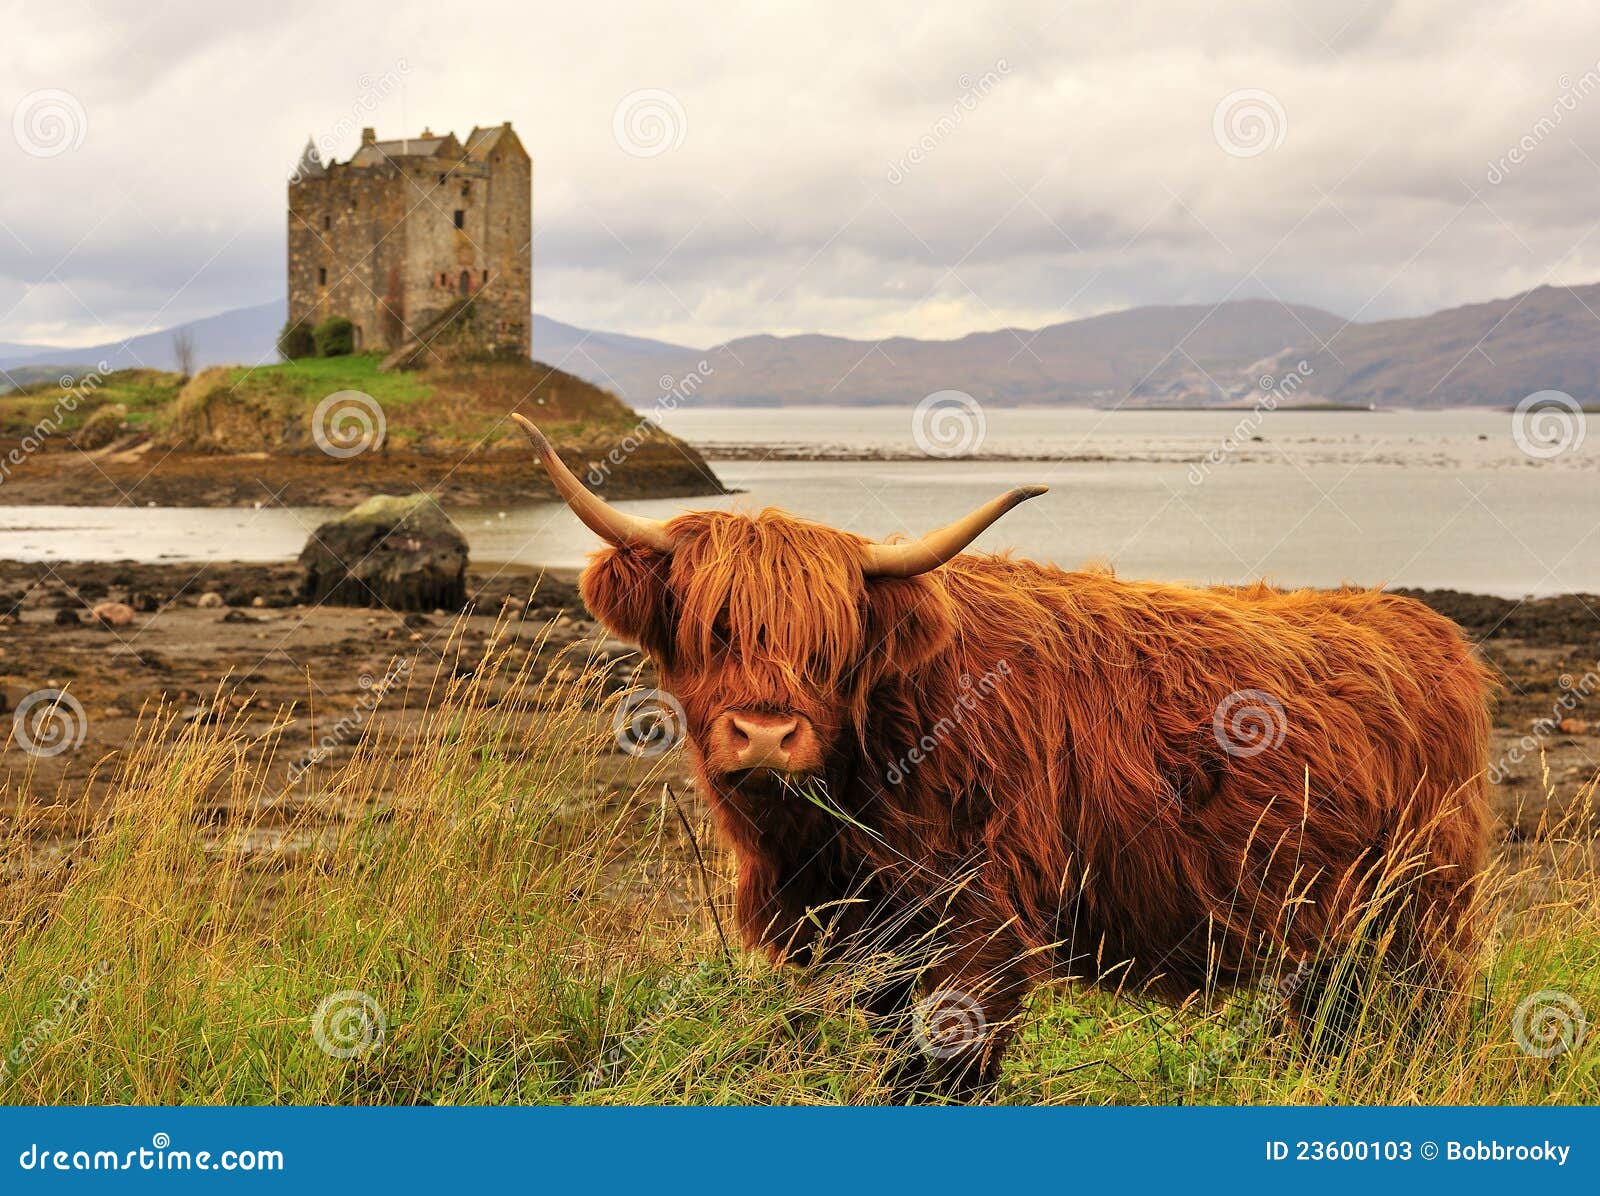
1439 499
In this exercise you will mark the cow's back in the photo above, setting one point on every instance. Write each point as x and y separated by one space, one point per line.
1372 720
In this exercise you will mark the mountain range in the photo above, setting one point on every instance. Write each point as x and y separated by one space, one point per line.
1153 356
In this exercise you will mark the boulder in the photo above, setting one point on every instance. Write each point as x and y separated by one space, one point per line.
210 600
401 553
113 614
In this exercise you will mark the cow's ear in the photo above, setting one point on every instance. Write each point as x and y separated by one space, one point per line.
626 589
909 620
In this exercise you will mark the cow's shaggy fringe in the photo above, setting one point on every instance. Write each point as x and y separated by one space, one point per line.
528 942
1172 789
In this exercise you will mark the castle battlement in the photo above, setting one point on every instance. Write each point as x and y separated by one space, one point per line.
406 228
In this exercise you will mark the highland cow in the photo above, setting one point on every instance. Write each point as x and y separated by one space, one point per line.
1014 774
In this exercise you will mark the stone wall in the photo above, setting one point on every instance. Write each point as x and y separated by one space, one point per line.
506 304
391 241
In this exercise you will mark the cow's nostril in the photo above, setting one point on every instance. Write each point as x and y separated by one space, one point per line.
762 739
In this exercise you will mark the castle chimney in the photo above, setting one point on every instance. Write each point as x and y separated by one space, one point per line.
369 136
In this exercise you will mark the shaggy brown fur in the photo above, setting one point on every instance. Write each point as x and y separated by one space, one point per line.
1027 767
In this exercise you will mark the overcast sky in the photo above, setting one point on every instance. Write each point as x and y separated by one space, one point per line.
706 170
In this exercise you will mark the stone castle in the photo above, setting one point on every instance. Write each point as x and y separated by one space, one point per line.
398 238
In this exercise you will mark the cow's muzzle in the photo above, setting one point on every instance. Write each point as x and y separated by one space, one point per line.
742 739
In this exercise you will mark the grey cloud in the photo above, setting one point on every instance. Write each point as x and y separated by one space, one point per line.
779 205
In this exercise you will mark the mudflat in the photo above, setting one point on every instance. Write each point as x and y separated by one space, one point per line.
226 641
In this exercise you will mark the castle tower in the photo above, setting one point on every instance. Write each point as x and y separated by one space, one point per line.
396 236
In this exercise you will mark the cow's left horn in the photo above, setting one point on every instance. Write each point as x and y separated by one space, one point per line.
614 526
934 549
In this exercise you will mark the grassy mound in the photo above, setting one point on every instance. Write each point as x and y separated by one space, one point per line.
442 409
445 421
490 931
67 403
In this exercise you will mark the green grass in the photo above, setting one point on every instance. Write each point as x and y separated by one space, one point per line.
144 394
528 941
446 407
443 408
310 379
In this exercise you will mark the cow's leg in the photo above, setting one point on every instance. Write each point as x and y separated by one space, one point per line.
951 1045
889 1007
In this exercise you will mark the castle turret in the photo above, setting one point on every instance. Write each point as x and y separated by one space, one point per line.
311 166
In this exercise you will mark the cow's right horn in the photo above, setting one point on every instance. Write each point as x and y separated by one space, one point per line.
614 526
937 547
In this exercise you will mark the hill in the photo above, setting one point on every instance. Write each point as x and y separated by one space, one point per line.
236 436
248 335
245 334
1096 360
1148 352
1485 353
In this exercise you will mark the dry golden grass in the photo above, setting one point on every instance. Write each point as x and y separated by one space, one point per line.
522 940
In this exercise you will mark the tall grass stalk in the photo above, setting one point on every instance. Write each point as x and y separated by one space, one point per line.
479 919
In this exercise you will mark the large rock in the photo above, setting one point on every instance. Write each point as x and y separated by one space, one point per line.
402 553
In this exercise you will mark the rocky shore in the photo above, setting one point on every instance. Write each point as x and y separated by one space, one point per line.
225 640
139 473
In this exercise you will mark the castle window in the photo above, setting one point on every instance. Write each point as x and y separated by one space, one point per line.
444 279
486 278
461 218
466 283
322 276
466 190
327 222
441 178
